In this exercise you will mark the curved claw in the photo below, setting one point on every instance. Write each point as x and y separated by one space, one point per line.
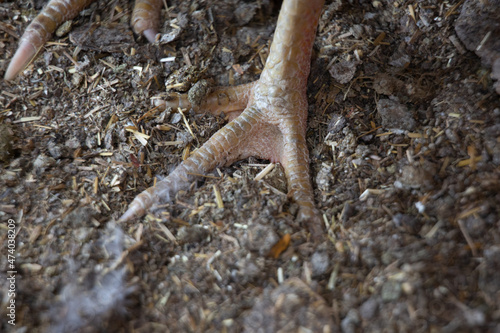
272 126
23 56
311 219
41 29
146 18
224 147
150 35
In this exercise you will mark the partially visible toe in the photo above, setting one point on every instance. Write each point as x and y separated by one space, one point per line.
310 218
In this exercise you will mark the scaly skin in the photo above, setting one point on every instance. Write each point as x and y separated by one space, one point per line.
145 20
268 117
272 126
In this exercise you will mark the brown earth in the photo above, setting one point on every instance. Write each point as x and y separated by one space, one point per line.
404 134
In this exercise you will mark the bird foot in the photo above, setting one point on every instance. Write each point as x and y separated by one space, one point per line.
256 128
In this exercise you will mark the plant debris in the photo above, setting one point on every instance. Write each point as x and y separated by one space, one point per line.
404 144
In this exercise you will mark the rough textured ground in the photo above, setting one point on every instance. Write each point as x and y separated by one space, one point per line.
405 154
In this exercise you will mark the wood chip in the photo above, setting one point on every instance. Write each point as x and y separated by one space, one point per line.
264 172
218 197
167 232
186 122
468 161
27 119
280 246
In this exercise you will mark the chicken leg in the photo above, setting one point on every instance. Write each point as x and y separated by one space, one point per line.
268 117
145 20
273 124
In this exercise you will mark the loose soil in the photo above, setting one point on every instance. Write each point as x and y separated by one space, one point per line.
404 139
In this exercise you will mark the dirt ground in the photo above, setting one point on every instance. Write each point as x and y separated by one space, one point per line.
404 139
